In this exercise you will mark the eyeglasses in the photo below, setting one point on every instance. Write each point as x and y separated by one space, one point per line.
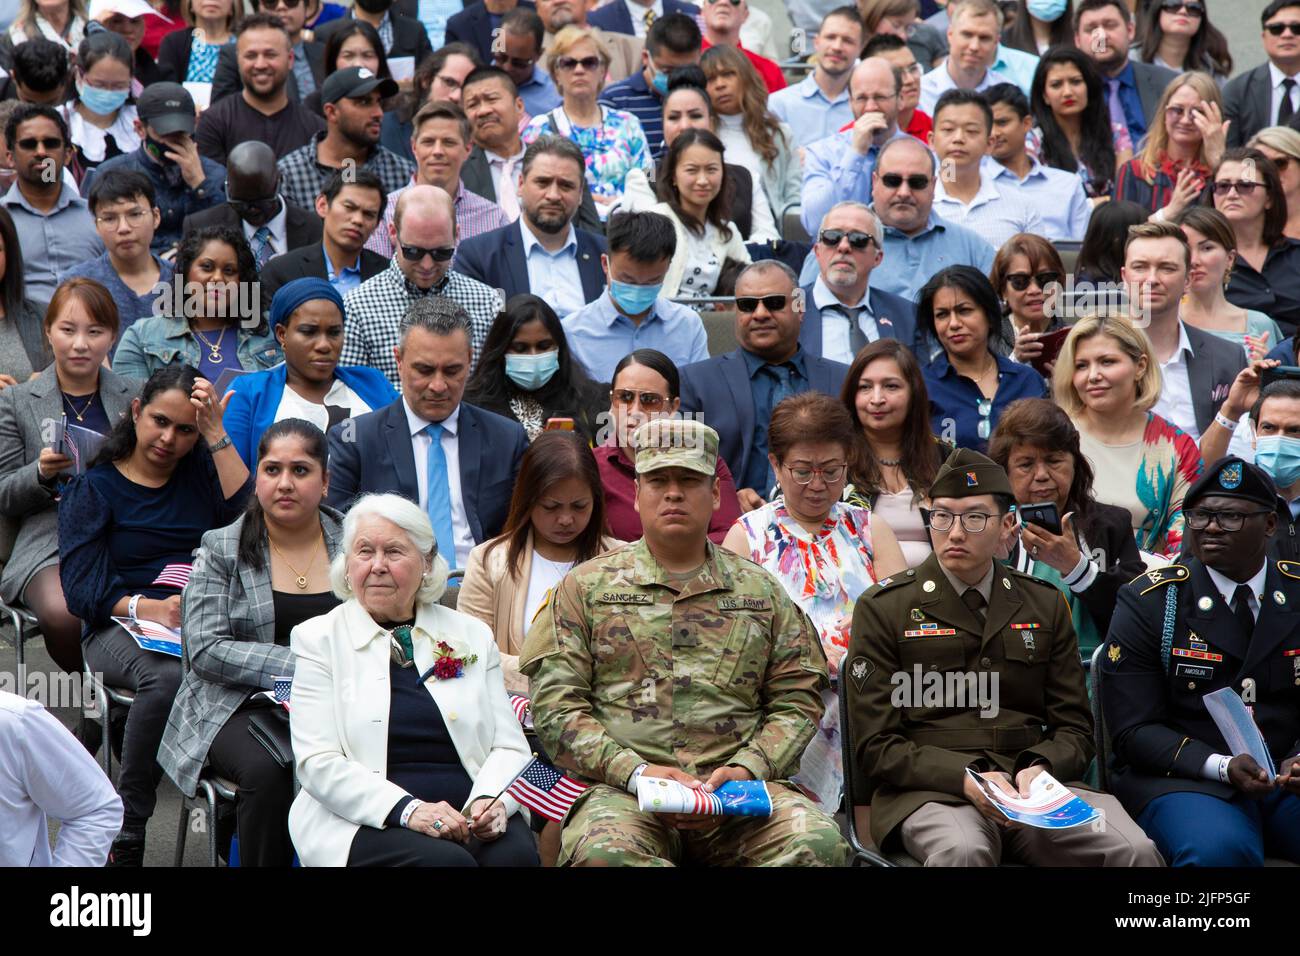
267 207
857 240
913 68
519 63
1224 186
1282 162
649 400
749 303
1198 519
589 63
133 218
804 476
1176 113
417 253
734 3
1173 6
985 408
51 143
973 522
915 182
1277 29
287 4
1020 280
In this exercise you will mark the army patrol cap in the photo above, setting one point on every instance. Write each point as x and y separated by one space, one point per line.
967 474
1233 477
676 443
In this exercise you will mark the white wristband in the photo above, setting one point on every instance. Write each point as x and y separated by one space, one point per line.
407 811
1223 769
1226 423
636 775
134 603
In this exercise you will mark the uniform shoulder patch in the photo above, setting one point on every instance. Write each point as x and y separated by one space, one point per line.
1290 568
1156 577
888 584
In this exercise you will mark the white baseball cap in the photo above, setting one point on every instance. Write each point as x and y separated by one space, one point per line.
128 8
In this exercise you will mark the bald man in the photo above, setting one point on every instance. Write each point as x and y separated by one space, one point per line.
839 167
423 233
254 205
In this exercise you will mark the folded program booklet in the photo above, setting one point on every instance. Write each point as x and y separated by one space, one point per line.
1050 804
735 798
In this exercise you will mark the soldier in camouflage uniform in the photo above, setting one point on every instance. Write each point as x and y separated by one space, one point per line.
673 658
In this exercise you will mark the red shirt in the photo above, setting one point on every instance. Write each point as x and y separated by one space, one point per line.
155 28
768 70
920 126
617 474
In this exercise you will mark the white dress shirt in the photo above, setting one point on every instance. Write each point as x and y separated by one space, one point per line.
505 180
836 342
993 215
45 771
451 449
1276 77
278 226
554 276
637 11
1175 404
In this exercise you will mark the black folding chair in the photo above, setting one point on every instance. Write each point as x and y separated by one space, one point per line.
864 854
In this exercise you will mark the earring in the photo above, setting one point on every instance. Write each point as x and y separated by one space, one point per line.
347 584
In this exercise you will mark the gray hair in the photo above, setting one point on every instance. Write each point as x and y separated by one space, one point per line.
769 265
877 231
436 314
550 145
414 522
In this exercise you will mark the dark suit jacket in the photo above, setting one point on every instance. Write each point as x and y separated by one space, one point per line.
376 456
1248 102
476 174
409 36
174 55
309 260
1211 372
496 259
1151 81
895 317
301 227
473 26
226 79
615 18
720 388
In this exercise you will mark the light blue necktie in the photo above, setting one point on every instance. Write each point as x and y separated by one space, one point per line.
439 498
262 245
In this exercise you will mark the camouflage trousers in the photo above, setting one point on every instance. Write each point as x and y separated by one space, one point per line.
607 829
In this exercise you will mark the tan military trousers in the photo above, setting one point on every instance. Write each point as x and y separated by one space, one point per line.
941 834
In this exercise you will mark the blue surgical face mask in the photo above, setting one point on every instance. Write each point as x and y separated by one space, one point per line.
1280 457
1049 11
100 101
633 299
531 372
660 83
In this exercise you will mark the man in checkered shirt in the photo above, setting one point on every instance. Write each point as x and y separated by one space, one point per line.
423 232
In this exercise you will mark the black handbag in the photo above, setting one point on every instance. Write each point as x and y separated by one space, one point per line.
270 728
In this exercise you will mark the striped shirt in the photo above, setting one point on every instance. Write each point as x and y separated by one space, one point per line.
474 216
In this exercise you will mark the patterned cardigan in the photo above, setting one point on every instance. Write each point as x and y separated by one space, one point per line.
1171 461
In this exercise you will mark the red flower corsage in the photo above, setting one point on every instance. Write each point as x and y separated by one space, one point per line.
446 665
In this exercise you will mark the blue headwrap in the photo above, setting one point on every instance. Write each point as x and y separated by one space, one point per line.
293 294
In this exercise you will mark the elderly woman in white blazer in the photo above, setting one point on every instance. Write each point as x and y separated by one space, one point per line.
403 735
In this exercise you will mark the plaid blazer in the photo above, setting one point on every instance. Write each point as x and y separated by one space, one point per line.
228 619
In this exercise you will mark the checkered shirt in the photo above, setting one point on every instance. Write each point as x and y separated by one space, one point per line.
302 177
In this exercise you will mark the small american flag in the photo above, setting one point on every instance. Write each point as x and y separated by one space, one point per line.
542 788
174 576
520 706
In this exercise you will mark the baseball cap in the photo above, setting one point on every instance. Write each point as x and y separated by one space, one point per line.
128 8
167 107
354 81
676 443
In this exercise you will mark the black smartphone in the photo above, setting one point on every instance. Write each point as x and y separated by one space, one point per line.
1271 375
1044 515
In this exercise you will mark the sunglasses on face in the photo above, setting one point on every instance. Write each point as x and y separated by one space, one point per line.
287 4
749 303
589 63
1193 9
1225 186
519 63
916 182
649 400
1277 29
734 3
1282 162
50 143
857 240
1020 280
417 253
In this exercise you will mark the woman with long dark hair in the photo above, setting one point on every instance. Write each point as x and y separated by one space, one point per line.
255 581
695 194
1178 35
1074 125
128 528
1101 257
527 372
355 43
1035 27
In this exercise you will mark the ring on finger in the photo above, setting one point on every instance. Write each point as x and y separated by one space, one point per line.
437 825
1033 552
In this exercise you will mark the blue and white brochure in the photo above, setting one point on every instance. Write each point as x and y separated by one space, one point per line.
1049 806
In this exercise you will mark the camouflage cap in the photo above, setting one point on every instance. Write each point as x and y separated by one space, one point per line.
676 443
967 473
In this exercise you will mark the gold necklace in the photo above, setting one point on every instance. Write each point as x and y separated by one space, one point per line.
301 579
214 348
80 415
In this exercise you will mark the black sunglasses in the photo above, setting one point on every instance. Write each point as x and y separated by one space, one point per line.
1020 280
1277 29
589 63
916 182
51 143
1193 9
519 63
749 303
417 253
287 4
857 240
1225 186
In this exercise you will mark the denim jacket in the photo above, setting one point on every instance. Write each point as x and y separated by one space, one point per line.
149 344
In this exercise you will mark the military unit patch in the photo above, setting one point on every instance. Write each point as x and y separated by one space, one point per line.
860 670
972 480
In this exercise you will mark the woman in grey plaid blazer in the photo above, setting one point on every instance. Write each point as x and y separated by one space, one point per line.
253 582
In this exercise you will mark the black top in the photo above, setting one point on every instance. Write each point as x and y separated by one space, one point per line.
91 408
1276 291
294 607
422 759
230 121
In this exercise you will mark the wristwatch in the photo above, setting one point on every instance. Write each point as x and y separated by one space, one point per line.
225 442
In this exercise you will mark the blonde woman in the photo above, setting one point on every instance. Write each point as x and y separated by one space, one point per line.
1187 138
63 21
1107 380
612 141
1282 145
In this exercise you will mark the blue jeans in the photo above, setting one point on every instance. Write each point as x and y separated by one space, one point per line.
1196 829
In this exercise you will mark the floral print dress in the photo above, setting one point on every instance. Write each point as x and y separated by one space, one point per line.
612 150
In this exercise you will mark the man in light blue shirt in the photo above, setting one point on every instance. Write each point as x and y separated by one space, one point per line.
818 106
631 314
553 274
973 32
839 167
521 36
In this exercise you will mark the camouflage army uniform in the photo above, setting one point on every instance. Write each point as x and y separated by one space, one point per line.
627 668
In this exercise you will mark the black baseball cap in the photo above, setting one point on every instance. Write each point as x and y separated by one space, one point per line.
167 107
355 81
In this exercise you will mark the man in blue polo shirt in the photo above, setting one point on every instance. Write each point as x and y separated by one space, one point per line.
818 106
674 40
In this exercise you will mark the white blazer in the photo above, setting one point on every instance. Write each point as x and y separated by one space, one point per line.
339 722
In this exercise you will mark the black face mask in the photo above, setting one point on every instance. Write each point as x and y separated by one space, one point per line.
374 6
157 151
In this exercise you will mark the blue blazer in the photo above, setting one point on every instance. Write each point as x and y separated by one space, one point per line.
615 18
496 259
377 457
257 397
474 26
895 317
720 388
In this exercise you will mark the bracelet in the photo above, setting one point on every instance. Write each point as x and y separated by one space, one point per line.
134 603
1223 769
407 811
1226 423
225 442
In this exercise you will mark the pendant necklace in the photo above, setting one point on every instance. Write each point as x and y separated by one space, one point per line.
301 578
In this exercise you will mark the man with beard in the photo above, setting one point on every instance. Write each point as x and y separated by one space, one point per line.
263 110
542 252
818 106
352 101
624 48
308 63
